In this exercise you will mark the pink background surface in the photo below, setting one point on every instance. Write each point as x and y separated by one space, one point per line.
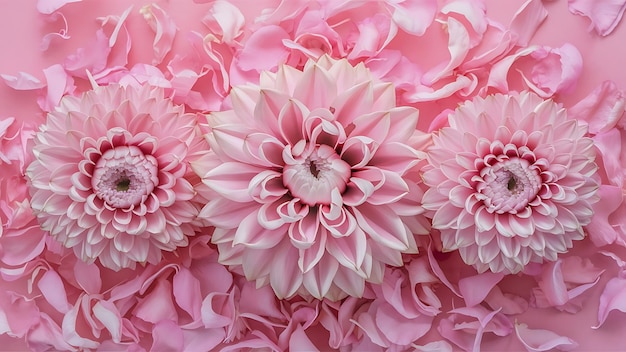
22 27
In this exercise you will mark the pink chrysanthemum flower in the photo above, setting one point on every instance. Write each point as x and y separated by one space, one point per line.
511 181
110 179
312 174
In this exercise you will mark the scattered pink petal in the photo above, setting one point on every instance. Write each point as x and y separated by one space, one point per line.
553 70
580 270
187 292
88 277
17 314
373 35
405 331
601 230
267 40
23 81
47 39
21 245
108 52
47 7
119 42
471 12
226 20
605 15
613 298
164 30
543 340
217 310
299 341
458 47
602 108
439 273
509 304
461 85
563 283
62 33
71 322
557 70
167 336
92 58
202 339
498 76
108 314
46 335
474 289
413 16
553 284
59 84
51 286
435 346
466 327
158 305
618 261
527 19
137 76
199 78
610 144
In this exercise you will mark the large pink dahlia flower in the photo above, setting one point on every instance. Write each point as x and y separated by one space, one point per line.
312 171
111 179
511 181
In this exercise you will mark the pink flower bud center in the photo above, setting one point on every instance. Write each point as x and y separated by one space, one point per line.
508 186
316 174
124 176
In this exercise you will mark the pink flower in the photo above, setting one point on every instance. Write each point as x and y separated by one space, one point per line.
312 171
110 179
511 181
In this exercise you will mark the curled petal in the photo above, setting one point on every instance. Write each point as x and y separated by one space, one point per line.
474 289
605 15
225 19
23 81
110 317
613 298
527 19
268 40
164 30
48 7
51 286
602 108
414 16
543 340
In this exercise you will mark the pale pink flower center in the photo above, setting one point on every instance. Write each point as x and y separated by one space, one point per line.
315 174
508 186
124 176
